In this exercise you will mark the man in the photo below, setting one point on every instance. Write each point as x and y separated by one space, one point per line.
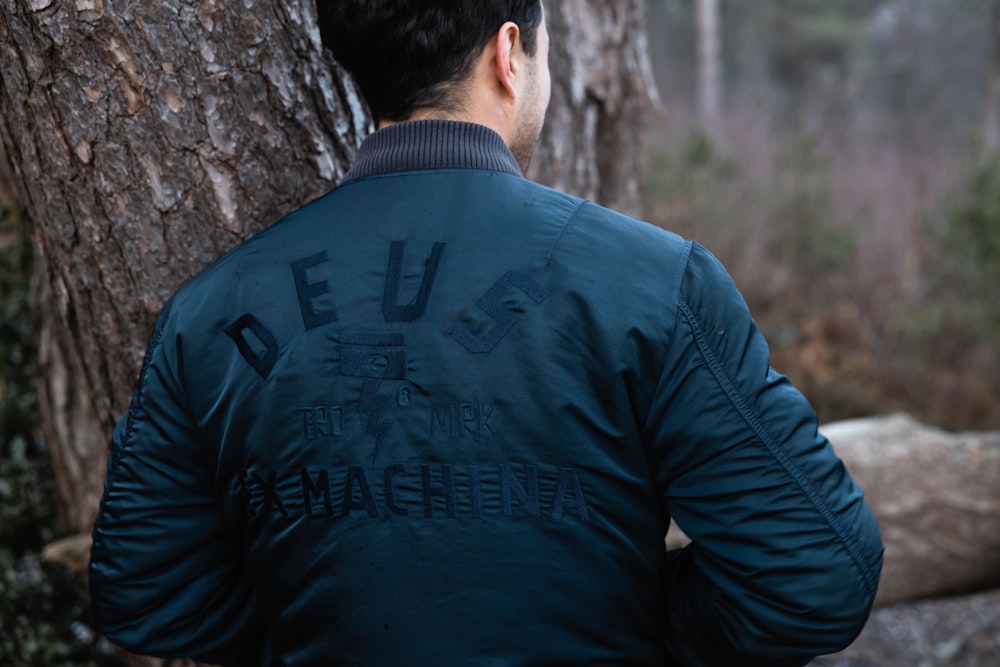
443 415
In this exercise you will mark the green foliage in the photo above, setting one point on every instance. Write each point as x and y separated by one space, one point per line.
44 618
947 338
43 610
967 273
775 228
771 225
809 240
974 228
811 35
699 183
23 486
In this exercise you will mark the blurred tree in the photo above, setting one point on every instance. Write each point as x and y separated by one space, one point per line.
812 50
709 67
815 37
851 59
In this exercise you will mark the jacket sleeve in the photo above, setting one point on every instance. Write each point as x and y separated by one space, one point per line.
165 572
785 554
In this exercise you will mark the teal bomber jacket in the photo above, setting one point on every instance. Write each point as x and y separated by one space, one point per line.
443 416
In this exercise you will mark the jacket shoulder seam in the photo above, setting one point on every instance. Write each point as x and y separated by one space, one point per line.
562 232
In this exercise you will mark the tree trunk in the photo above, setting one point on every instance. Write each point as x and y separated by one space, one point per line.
602 89
147 138
709 33
7 194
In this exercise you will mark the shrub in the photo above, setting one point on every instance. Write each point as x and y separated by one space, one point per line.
968 274
43 608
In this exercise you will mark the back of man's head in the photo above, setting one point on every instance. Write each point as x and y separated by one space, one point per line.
413 55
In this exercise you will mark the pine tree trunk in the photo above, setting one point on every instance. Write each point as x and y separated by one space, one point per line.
602 90
145 139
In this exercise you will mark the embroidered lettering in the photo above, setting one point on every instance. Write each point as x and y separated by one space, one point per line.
255 342
511 488
476 418
309 292
271 496
492 304
391 309
443 420
318 490
476 485
476 491
445 489
569 484
463 419
322 421
356 476
518 492
390 493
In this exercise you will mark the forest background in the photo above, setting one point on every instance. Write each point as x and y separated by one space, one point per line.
841 159
839 156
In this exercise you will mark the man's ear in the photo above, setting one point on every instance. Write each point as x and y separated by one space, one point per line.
508 60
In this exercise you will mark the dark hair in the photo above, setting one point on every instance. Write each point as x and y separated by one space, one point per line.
407 55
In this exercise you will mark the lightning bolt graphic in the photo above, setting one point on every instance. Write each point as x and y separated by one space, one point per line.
375 406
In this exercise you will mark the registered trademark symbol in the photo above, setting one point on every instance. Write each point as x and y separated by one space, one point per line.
404 397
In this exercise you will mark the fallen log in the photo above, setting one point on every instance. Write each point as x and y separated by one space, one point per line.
937 499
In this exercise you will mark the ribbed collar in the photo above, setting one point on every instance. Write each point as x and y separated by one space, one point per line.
432 144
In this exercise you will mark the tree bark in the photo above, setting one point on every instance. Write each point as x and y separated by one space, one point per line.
147 138
602 89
